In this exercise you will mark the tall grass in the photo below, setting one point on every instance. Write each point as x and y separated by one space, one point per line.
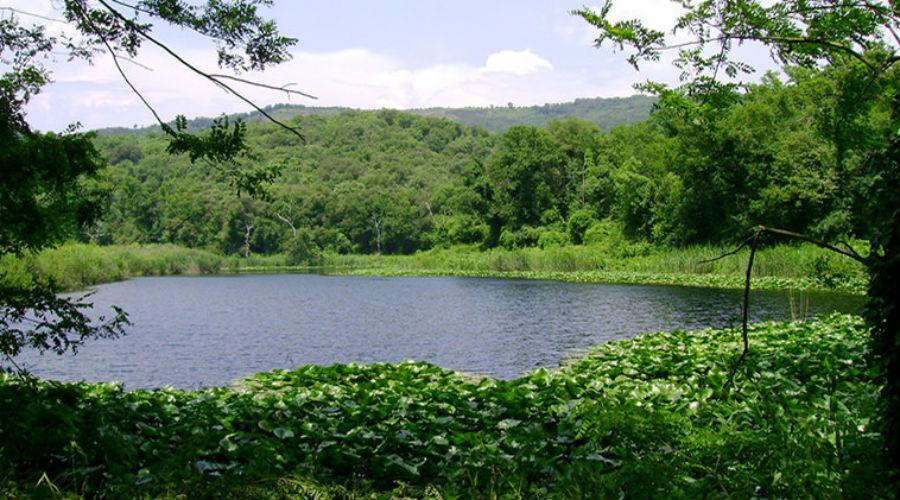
76 265
784 261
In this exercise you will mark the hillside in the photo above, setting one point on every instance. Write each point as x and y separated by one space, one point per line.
605 112
397 182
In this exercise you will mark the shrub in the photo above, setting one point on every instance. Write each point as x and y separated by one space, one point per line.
552 239
578 224
458 229
526 236
605 233
301 249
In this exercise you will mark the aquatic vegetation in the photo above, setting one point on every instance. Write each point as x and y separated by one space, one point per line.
800 267
645 416
803 267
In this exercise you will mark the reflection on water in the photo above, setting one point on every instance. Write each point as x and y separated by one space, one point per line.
203 331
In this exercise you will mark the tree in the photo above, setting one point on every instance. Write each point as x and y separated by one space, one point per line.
860 34
45 193
527 177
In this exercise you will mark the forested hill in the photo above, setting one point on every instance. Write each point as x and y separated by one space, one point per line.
400 182
604 112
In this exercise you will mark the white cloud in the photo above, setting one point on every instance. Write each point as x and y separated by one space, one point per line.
355 77
657 14
522 62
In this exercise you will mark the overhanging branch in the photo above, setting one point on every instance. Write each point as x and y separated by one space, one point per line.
208 76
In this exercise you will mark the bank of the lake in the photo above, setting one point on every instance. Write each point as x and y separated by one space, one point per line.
799 267
651 416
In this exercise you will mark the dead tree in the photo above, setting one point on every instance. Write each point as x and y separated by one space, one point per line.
248 230
376 223
288 218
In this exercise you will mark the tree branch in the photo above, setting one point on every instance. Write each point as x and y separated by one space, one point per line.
282 88
133 7
736 250
753 242
198 71
115 59
848 252
31 14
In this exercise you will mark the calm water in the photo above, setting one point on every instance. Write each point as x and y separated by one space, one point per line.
205 331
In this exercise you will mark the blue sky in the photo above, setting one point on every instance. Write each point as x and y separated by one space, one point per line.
394 53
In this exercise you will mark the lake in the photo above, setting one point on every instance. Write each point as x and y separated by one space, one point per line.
207 331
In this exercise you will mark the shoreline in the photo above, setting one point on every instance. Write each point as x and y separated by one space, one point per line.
78 266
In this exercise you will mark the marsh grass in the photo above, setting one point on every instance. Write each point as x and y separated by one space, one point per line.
784 266
75 265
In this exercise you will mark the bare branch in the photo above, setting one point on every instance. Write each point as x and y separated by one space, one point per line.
133 7
846 252
753 241
200 72
31 14
736 250
284 88
776 39
19 369
745 308
115 59
132 61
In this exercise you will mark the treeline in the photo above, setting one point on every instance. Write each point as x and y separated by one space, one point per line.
781 153
605 112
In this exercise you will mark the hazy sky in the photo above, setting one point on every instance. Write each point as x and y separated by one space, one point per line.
364 54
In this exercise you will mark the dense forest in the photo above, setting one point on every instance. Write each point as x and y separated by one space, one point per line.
785 152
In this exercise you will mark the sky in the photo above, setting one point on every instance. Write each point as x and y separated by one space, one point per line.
390 54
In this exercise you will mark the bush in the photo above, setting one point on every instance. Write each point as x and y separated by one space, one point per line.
333 241
301 249
526 236
606 233
651 417
578 224
460 229
553 239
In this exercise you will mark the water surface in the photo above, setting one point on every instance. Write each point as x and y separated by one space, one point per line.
205 331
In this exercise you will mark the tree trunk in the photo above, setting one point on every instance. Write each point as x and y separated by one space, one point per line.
289 221
248 229
882 311
377 223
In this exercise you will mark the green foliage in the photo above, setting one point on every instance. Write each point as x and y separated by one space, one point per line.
693 173
605 233
301 249
606 261
46 195
649 416
525 236
859 46
75 266
460 229
526 176
578 224
552 239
